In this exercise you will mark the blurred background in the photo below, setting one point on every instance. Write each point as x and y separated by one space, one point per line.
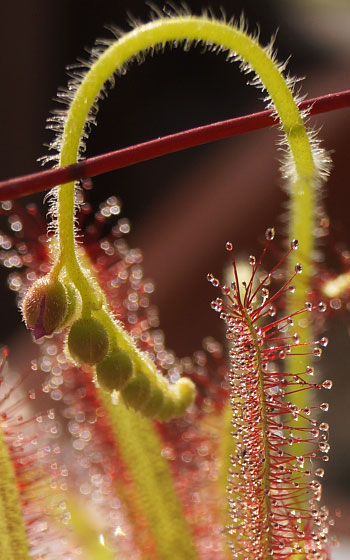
185 206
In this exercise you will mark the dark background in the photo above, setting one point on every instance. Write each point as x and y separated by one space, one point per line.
184 207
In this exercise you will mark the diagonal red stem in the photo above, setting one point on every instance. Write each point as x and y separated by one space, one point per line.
43 180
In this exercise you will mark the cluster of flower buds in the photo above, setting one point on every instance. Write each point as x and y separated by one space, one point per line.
49 306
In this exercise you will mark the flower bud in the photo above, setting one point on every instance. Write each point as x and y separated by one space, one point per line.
178 397
137 391
44 306
167 410
87 341
114 371
185 392
154 401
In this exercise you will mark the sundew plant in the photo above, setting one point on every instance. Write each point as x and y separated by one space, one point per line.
125 450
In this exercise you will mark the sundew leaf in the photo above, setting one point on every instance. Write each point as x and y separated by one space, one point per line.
307 166
274 510
13 539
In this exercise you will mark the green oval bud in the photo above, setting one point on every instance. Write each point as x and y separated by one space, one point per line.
167 410
87 341
154 402
114 371
137 391
44 306
185 392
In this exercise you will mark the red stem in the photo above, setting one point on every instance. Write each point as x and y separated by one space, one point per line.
43 180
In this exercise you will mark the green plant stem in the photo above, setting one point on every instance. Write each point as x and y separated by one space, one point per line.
212 32
249 51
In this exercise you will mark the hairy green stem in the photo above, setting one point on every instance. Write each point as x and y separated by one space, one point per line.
228 38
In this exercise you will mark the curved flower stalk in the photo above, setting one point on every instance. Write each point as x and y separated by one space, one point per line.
273 499
95 337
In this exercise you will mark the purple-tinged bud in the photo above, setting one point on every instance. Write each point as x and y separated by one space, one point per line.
114 371
87 341
44 306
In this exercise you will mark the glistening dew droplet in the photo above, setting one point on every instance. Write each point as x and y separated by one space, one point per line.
327 384
270 234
